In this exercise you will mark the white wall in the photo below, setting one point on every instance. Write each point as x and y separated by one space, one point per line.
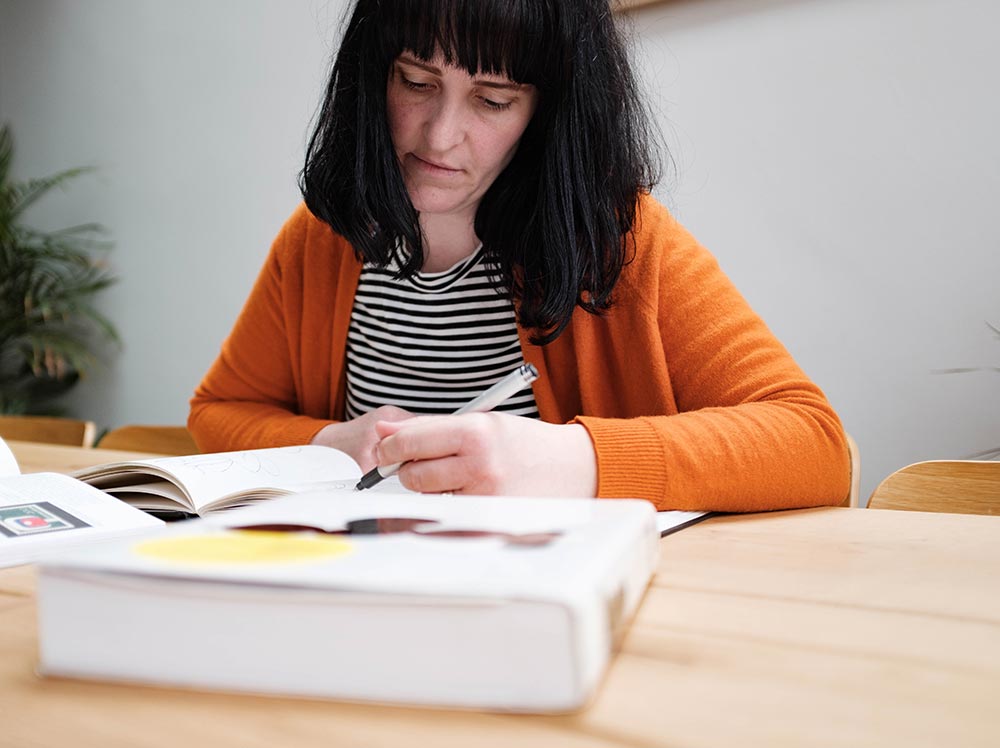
196 113
839 157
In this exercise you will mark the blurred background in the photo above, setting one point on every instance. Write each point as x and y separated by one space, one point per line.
839 157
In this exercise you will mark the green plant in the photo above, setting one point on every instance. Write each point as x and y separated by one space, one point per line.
48 281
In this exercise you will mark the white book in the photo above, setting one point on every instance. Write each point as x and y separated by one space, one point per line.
46 513
8 463
508 604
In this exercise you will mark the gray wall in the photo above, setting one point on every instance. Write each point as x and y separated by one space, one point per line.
196 113
839 157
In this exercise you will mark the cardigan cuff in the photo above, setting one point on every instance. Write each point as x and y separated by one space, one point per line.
630 459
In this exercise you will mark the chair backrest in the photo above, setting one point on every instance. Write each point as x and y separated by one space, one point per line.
957 486
48 429
164 440
854 497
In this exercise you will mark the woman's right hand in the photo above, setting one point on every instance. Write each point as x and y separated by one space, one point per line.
358 438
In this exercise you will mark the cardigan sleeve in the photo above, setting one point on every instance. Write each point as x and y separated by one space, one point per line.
747 430
252 396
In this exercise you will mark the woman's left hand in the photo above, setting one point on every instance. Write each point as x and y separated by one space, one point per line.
490 453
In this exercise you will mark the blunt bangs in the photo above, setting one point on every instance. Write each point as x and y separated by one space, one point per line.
556 223
514 38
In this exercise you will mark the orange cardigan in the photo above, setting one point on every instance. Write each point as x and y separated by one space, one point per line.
691 402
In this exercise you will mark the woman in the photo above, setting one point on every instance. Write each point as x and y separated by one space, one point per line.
477 192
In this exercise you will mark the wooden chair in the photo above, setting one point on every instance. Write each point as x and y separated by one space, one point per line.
854 497
164 440
48 429
957 486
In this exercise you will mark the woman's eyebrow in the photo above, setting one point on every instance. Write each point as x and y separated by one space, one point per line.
407 60
498 84
488 83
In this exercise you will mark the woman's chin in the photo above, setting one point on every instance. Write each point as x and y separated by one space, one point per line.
443 204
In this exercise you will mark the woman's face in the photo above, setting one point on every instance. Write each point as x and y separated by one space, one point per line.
453 133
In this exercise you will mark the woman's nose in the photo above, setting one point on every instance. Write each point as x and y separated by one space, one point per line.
445 127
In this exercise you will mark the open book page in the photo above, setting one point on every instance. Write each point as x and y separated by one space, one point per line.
672 521
8 463
42 512
202 483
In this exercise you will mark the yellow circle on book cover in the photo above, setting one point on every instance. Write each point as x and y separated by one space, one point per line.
244 547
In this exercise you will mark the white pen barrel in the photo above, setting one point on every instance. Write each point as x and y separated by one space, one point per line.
501 391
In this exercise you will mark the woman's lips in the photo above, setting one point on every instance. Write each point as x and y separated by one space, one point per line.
433 167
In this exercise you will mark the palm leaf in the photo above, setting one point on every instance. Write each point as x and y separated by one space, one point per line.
48 283
25 194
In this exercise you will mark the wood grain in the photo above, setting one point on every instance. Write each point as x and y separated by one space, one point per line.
962 486
48 429
163 440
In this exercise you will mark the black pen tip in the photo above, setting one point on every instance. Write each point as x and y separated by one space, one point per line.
369 479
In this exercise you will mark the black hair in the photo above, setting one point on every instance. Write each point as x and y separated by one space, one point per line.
556 223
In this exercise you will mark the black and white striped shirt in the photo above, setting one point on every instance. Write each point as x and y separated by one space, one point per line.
432 342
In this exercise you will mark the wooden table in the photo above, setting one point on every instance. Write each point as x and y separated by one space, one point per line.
34 457
824 627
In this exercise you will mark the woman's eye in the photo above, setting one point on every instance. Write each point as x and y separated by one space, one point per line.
414 85
497 106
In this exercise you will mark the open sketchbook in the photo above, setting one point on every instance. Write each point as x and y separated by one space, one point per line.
481 602
204 483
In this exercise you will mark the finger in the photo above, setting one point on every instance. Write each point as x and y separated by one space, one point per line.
431 439
391 413
385 428
444 475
